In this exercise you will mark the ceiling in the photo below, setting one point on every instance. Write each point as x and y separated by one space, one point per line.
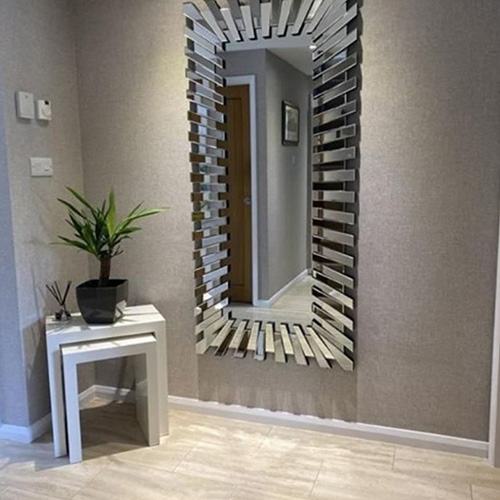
299 58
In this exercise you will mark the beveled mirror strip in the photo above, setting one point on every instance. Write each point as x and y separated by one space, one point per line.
286 6
279 352
331 18
204 55
325 45
326 39
327 354
201 89
265 15
214 25
336 315
221 336
337 276
254 7
334 135
246 13
287 342
333 255
211 308
196 70
328 215
235 8
320 13
334 93
346 175
327 59
332 332
325 118
238 335
214 292
334 155
298 353
207 322
194 20
214 9
321 230
304 9
321 194
331 292
200 41
231 25
211 116
327 79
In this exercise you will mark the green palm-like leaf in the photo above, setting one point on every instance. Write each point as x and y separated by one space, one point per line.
96 228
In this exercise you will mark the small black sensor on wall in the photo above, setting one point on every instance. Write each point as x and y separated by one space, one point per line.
290 123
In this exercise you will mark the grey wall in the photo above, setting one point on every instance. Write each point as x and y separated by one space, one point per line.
282 181
134 137
287 179
13 397
429 208
429 203
37 55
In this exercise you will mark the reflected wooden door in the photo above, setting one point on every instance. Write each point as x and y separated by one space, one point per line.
240 191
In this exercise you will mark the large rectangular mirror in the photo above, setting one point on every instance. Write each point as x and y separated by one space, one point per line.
273 131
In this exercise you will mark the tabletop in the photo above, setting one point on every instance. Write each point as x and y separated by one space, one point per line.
133 317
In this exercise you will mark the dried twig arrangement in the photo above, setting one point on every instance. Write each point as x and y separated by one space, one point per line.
54 290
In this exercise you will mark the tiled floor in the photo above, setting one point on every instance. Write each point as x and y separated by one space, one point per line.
213 458
293 306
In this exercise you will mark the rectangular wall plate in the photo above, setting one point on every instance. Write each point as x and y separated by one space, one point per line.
41 167
25 105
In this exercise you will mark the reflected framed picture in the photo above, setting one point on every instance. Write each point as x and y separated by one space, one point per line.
290 124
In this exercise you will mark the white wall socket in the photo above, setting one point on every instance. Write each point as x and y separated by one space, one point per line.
43 110
41 167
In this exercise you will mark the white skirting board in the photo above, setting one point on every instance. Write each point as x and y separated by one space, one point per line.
333 426
282 291
269 417
26 434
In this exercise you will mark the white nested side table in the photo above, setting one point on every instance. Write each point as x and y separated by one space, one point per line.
147 402
135 321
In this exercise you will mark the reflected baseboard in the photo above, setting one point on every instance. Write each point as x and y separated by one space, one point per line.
272 315
269 302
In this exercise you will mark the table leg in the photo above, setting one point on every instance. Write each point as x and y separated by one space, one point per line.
57 401
161 339
72 411
153 401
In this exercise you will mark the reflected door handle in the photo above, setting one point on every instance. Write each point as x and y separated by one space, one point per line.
247 200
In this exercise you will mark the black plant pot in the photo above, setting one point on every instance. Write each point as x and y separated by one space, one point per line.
102 305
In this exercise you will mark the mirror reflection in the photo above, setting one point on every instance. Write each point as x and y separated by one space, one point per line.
268 105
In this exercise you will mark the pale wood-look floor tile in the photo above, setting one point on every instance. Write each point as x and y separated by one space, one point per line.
354 481
123 441
344 450
245 493
217 430
132 482
481 493
446 466
17 494
33 468
271 471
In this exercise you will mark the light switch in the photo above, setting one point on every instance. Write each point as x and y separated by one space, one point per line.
25 105
41 167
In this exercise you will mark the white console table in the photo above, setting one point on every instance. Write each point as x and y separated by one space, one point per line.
136 320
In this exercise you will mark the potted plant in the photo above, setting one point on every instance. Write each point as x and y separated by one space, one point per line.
98 232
